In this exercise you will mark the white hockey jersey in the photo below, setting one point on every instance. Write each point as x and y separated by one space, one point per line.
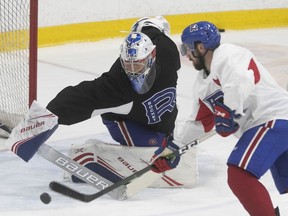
246 87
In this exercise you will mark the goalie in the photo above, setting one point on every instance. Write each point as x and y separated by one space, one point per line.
136 99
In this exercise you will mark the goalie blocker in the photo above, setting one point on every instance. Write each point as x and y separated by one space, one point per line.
36 127
115 162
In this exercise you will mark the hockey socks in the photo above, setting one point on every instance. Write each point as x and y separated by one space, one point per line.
251 193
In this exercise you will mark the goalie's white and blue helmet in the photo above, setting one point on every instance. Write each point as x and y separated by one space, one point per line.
204 32
158 22
138 57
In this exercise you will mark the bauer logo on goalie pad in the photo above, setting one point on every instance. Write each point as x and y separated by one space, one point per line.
30 127
127 165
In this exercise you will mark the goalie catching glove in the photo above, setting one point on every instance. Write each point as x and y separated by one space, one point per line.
163 158
225 119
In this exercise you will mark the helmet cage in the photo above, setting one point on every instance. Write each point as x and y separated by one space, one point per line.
137 54
135 68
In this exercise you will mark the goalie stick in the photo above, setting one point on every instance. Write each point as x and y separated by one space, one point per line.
63 189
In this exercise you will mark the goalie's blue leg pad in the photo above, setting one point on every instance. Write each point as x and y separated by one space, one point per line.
131 133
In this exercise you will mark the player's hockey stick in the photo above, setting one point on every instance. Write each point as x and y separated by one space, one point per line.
63 189
74 168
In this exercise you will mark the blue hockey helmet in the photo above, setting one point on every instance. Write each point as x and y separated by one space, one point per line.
204 32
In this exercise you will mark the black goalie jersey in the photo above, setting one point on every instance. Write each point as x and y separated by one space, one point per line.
112 96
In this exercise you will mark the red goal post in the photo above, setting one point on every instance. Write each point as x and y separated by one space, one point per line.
18 58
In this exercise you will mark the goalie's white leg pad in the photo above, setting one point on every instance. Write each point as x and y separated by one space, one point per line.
37 126
112 161
185 175
124 161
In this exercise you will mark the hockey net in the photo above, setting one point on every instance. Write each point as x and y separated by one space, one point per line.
18 58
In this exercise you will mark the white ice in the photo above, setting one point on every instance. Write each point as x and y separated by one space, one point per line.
22 183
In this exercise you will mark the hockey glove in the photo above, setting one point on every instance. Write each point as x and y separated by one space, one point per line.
163 158
224 119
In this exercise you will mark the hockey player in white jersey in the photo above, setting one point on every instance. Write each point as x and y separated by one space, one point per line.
234 93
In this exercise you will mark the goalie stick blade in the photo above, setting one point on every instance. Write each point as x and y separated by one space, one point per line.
120 186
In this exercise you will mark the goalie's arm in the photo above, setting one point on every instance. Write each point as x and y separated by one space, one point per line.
78 103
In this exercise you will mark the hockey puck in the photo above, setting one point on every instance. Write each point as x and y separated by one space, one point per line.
45 198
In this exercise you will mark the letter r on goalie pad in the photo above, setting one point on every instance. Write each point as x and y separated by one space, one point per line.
116 162
36 127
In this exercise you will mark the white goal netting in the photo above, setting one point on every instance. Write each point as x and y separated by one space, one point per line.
16 59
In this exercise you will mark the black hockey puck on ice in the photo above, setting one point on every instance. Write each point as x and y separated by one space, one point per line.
45 198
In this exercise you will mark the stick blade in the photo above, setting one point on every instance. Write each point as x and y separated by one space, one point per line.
63 189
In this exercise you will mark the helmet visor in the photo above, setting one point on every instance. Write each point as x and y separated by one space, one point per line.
185 49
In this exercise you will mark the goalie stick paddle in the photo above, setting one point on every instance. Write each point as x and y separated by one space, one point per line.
63 189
